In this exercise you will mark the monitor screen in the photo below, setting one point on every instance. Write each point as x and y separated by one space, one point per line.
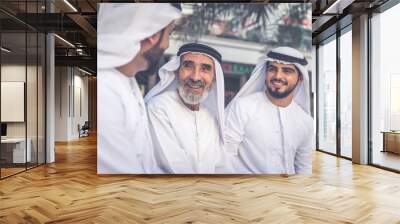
3 129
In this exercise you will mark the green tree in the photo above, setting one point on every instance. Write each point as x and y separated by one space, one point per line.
269 17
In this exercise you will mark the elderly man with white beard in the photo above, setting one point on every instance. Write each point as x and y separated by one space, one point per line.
186 113
269 129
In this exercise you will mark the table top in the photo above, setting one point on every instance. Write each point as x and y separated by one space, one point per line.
13 140
391 132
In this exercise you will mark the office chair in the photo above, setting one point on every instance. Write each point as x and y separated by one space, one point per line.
84 130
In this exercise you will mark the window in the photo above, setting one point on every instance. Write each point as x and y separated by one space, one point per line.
346 94
327 96
385 89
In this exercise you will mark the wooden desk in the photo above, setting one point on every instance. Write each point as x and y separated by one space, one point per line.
391 141
15 148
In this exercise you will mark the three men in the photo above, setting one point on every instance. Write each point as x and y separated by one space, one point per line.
268 126
186 112
269 129
131 38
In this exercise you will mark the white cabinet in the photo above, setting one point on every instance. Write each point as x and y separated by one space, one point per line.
18 149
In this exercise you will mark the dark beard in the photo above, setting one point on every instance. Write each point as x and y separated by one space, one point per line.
279 95
153 57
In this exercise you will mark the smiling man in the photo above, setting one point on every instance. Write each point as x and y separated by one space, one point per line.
269 129
186 110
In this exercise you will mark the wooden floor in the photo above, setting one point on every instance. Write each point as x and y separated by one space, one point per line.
5 172
70 191
387 159
10 171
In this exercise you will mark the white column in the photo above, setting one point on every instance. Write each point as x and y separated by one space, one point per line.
50 99
50 92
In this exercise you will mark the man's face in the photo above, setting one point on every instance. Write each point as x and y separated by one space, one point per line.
196 75
154 54
281 79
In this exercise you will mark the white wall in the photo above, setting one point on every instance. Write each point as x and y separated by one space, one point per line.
71 93
62 81
79 117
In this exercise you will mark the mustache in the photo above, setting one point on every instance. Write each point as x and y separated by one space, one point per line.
195 83
279 80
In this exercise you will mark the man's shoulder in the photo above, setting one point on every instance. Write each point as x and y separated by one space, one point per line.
246 106
163 100
306 118
107 75
250 99
108 81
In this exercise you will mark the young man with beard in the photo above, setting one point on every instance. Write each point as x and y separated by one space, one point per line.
131 38
186 110
269 129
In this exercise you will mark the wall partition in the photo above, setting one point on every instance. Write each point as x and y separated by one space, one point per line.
22 88
15 147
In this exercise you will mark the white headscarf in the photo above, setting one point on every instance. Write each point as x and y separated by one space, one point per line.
121 27
256 83
215 100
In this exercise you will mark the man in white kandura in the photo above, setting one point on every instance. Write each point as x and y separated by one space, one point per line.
186 112
130 38
269 129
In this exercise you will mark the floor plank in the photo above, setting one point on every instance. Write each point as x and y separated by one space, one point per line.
70 191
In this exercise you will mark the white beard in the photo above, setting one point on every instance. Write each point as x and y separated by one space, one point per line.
191 98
